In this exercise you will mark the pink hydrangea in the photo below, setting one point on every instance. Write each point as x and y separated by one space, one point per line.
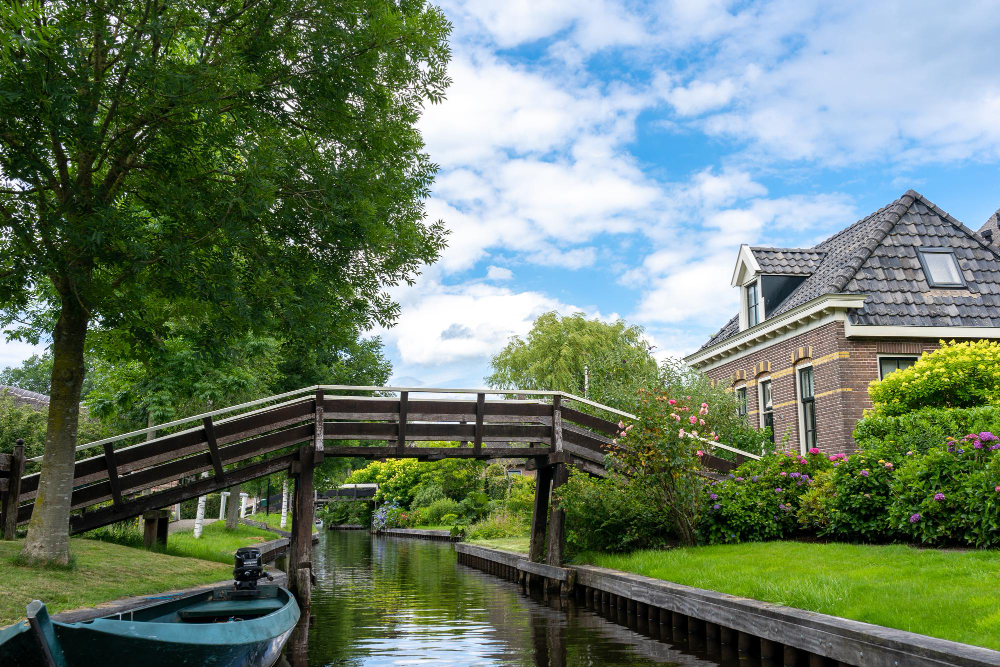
672 402
693 419
814 450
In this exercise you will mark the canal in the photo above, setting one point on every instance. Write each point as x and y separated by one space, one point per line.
392 601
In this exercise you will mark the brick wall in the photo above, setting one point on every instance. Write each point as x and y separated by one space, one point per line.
842 370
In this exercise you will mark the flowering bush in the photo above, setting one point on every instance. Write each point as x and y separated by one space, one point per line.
661 450
957 375
858 499
922 429
951 494
760 499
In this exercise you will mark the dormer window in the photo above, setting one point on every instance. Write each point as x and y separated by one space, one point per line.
753 304
941 267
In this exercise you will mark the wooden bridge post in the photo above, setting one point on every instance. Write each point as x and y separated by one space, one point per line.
300 563
540 513
9 513
557 516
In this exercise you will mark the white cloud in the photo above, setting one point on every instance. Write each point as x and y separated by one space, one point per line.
12 353
498 273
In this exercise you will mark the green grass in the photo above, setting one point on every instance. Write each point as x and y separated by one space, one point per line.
516 544
273 519
216 543
101 572
430 527
941 593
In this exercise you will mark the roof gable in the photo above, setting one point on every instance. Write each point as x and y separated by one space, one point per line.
877 256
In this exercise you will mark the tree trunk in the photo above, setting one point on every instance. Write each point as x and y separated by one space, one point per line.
48 532
284 502
233 508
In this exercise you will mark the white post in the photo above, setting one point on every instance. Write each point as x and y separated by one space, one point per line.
177 512
243 505
199 515
222 504
284 502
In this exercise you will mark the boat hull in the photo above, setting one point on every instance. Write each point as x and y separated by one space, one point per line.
152 637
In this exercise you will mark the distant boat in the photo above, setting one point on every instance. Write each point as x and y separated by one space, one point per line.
236 626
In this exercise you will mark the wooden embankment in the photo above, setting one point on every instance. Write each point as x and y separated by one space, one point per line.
778 635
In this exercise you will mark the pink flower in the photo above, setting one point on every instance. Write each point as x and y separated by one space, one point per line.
693 419
814 450
621 424
680 433
672 402
704 405
888 465
997 489
701 421
701 453
782 473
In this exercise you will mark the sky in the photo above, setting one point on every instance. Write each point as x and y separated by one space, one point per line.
610 157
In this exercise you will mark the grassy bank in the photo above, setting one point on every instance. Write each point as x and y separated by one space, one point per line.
273 520
946 594
102 572
216 543
515 544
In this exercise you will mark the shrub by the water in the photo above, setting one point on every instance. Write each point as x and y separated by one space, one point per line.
760 500
612 514
858 507
439 508
497 526
892 436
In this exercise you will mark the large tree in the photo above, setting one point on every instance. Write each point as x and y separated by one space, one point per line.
609 361
255 164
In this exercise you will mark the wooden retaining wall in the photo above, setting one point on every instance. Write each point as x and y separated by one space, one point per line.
421 534
778 634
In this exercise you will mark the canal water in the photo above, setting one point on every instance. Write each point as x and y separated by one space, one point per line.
392 601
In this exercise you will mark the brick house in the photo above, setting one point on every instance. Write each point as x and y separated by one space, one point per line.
817 325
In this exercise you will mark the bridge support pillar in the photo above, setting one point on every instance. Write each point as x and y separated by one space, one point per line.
557 519
155 528
300 552
11 488
540 513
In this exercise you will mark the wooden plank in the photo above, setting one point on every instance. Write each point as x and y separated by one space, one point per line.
109 458
228 430
213 448
584 453
540 513
446 432
590 421
477 443
5 460
543 570
557 518
592 441
430 452
203 486
401 427
380 408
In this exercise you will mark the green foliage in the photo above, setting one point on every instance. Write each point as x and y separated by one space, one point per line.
434 512
614 514
27 423
951 494
760 499
956 375
126 533
557 349
400 479
858 507
449 520
918 431
426 494
347 512
813 514
497 525
35 374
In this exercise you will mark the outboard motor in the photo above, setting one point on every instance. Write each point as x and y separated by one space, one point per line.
248 569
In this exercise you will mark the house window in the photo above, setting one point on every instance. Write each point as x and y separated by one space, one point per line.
887 365
753 305
807 399
741 401
766 406
941 267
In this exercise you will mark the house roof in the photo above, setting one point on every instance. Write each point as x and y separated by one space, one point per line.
876 256
25 397
788 261
993 225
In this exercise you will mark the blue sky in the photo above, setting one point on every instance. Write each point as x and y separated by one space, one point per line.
610 157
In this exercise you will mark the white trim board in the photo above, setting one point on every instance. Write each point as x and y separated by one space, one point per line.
937 333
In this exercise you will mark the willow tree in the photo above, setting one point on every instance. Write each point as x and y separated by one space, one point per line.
254 162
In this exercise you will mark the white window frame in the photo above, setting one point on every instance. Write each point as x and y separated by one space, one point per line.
760 401
745 305
887 355
736 389
800 408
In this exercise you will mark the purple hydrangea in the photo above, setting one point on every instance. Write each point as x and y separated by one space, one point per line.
781 506
914 518
939 497
864 473
713 496
796 474
716 506
739 479
778 490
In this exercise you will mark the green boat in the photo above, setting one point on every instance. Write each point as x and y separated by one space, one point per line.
238 626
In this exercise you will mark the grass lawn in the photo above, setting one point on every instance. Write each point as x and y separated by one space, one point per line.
515 544
946 594
273 519
216 543
430 527
102 572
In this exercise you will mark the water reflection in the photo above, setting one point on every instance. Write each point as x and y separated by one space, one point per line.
382 601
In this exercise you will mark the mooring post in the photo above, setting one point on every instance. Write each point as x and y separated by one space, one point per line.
155 524
540 513
13 491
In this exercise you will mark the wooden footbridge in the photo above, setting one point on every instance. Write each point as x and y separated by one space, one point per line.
295 431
